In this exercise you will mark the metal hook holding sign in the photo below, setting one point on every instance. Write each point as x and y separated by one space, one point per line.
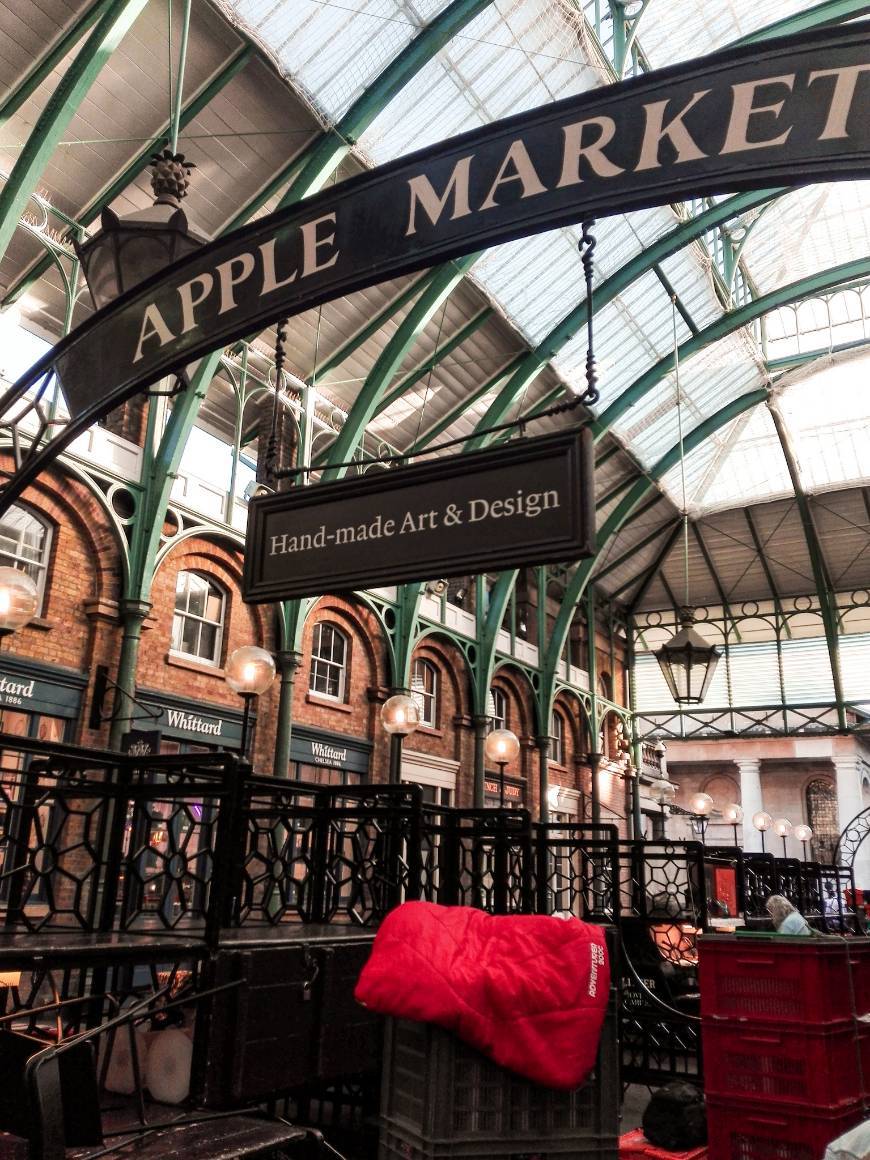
102 683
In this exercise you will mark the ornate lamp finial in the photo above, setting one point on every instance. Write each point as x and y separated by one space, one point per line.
170 177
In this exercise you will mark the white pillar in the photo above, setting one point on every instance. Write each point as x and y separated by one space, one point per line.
750 798
850 801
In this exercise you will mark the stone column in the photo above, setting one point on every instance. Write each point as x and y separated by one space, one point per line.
850 802
749 770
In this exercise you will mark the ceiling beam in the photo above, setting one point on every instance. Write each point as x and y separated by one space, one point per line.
340 451
530 365
830 12
650 573
821 574
435 358
333 146
60 109
727 324
621 514
40 70
192 108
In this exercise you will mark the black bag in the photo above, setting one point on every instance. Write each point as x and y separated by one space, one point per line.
675 1118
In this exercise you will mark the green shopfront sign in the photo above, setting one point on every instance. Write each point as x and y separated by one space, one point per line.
196 721
329 750
30 687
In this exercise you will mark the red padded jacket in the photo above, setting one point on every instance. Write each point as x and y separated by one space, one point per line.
529 992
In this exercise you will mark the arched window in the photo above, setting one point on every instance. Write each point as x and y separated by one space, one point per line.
496 709
823 818
557 739
424 690
198 624
25 543
328 661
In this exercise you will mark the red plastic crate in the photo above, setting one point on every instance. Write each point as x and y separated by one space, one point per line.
785 1064
740 1129
784 980
635 1146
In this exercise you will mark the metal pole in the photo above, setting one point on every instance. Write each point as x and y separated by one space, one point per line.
501 765
396 740
246 721
594 762
544 778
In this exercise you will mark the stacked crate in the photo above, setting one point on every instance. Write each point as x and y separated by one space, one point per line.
442 1100
786 1054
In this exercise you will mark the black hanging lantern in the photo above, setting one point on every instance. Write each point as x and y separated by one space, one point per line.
688 662
129 249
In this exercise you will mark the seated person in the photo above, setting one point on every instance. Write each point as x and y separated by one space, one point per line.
785 919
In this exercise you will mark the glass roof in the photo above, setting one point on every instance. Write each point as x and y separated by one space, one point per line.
518 54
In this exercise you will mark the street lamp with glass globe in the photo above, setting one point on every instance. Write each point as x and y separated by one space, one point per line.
19 600
783 827
733 815
501 746
400 716
250 671
762 822
702 806
804 834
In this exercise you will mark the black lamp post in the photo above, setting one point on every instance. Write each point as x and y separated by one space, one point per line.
400 716
501 746
762 822
804 834
734 816
687 662
702 804
129 249
783 827
250 671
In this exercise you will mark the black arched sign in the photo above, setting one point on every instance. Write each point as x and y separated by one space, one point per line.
786 112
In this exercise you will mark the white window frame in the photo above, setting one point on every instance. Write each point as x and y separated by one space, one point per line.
557 739
183 615
498 706
36 569
424 690
326 665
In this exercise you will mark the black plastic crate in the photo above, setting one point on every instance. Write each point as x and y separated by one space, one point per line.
441 1098
398 1145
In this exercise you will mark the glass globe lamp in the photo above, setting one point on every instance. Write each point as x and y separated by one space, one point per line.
501 746
250 670
702 805
733 815
19 599
762 822
400 716
783 827
665 794
804 834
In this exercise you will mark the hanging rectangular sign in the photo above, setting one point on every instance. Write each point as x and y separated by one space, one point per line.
532 502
